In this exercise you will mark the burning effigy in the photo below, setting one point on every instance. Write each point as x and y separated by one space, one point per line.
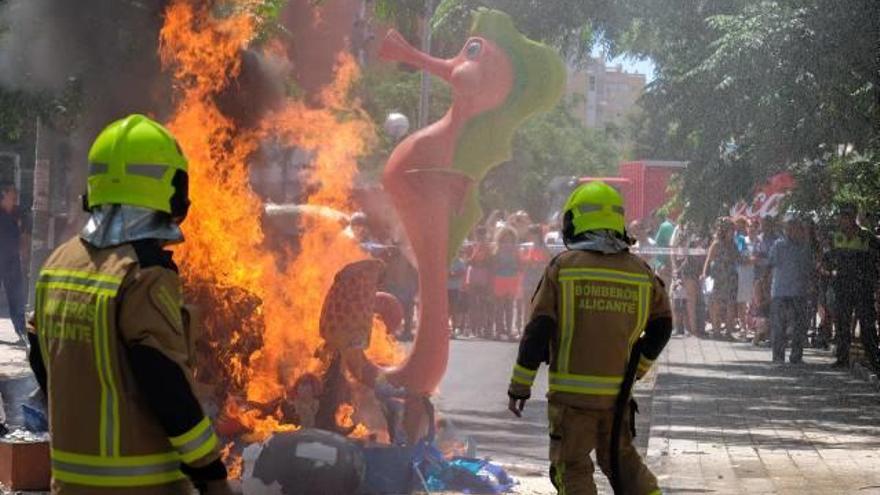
297 336
260 318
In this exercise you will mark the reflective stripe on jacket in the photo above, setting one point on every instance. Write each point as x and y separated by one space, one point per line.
89 307
853 260
601 304
586 293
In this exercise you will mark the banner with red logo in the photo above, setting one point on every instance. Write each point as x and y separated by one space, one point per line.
768 198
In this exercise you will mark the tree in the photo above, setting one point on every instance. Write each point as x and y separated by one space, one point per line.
570 25
760 88
828 182
549 145
743 89
16 113
406 15
383 90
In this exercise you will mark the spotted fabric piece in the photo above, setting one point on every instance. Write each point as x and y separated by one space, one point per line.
347 314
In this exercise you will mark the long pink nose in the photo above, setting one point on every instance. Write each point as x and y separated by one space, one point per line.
395 47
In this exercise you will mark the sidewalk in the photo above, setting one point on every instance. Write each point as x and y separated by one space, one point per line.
726 420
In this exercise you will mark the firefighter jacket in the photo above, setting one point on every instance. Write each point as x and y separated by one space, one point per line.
587 313
110 329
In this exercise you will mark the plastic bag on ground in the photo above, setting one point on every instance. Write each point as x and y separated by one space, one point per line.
463 474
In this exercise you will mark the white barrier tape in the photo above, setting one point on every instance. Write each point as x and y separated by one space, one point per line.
651 250
671 251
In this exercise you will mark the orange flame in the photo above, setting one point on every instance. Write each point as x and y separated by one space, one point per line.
236 465
252 298
343 415
345 419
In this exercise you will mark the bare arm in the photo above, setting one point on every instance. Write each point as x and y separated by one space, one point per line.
674 242
710 257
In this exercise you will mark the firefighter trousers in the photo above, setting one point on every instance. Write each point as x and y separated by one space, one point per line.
574 434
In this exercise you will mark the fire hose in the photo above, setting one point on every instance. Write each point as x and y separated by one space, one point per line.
620 409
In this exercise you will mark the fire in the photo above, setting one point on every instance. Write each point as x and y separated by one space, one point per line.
383 349
236 465
262 318
345 419
343 415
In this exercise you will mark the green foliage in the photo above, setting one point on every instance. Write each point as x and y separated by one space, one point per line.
569 25
19 109
267 14
382 91
834 180
856 179
406 15
15 115
746 89
549 145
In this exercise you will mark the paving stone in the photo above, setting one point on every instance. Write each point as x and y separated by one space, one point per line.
727 420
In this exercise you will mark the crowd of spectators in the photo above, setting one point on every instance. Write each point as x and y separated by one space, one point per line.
786 283
779 282
494 274
488 283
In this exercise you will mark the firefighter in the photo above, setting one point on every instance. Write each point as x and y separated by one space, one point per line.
595 303
109 335
851 262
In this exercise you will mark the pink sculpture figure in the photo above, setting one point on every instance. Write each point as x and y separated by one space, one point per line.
498 80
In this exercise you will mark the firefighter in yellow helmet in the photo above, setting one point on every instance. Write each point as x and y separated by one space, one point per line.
108 339
599 317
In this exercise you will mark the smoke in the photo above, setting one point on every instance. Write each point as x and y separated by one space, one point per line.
32 54
258 88
104 49
318 33
107 45
104 52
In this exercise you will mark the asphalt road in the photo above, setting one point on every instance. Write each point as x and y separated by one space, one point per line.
473 396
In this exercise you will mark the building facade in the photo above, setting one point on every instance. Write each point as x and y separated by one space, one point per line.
603 94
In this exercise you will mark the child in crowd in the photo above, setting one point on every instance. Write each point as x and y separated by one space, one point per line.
505 270
455 294
534 256
680 315
477 284
746 237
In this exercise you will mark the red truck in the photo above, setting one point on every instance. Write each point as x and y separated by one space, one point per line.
642 184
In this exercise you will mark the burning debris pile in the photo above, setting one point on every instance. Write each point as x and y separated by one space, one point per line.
260 352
